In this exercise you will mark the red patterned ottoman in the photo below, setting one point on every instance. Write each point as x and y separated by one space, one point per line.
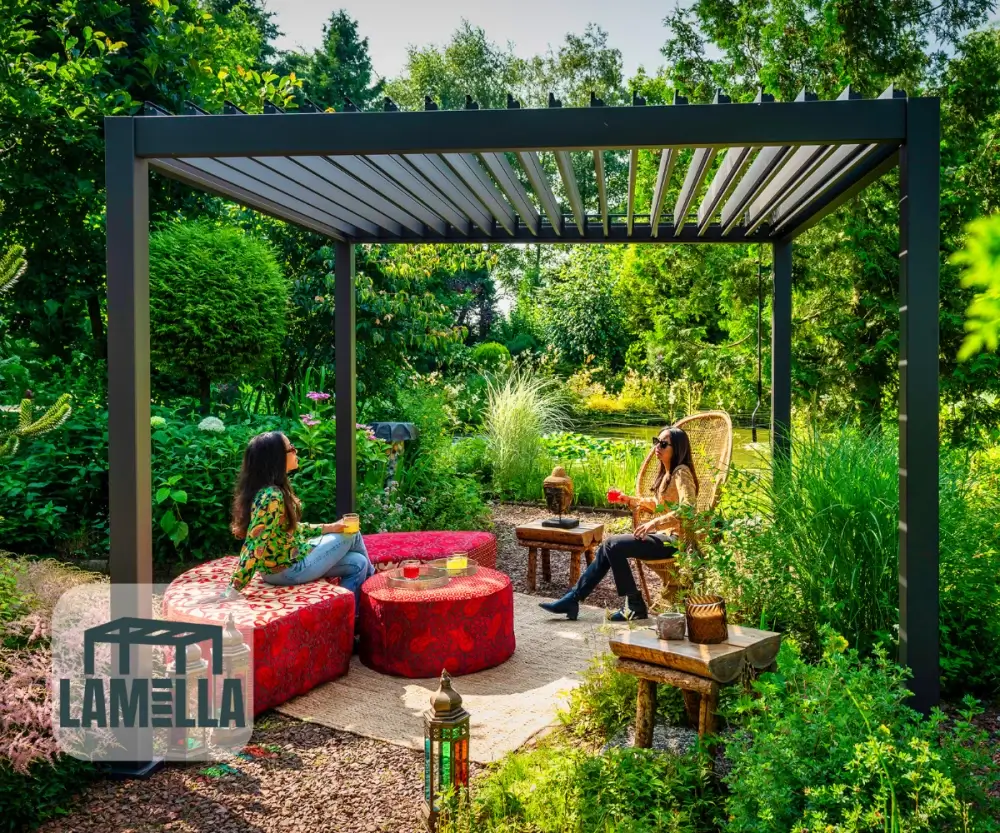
302 635
388 549
464 627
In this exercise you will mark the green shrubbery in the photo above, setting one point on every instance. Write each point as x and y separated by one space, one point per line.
217 302
824 748
819 548
55 499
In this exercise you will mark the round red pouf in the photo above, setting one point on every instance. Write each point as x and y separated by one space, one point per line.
465 627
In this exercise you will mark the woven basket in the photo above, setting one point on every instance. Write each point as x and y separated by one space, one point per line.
706 619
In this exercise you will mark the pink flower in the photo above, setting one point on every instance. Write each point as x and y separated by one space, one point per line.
317 396
309 420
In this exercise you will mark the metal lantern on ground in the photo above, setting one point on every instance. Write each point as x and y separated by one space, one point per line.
189 743
235 666
446 747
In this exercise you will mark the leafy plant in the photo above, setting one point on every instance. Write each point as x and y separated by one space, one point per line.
981 259
208 288
834 747
491 356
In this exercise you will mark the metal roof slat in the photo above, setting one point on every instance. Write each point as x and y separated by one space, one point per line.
188 174
468 169
633 167
504 174
696 173
801 162
276 195
438 174
365 192
602 188
363 171
406 177
324 188
668 158
726 178
536 176
565 164
763 169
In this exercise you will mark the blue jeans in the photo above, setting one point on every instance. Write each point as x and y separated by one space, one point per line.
334 555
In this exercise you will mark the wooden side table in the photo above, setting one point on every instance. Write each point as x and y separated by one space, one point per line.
581 540
697 670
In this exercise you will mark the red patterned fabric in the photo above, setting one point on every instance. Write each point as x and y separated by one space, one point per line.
302 635
464 627
388 549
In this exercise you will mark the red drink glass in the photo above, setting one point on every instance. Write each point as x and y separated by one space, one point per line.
614 495
411 569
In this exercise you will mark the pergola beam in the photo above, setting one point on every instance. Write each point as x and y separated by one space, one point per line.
668 157
556 128
633 168
697 171
725 179
470 171
400 173
438 174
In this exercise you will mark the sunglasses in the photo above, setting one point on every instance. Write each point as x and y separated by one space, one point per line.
291 450
661 444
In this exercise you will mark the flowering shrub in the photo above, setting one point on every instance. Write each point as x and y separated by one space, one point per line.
212 424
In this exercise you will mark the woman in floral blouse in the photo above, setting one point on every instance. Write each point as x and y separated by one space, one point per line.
266 513
676 483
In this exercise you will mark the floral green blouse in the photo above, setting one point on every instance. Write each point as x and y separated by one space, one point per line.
268 544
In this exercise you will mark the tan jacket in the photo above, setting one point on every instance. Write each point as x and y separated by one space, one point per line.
680 489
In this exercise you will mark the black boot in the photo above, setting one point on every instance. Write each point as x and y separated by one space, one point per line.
568 604
634 608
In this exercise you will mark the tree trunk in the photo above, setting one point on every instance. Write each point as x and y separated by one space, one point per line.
97 327
205 390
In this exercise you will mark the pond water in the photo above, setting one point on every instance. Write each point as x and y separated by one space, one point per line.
746 455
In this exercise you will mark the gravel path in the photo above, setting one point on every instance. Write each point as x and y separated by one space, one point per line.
319 780
512 559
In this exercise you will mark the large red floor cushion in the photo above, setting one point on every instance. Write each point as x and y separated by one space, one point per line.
302 635
465 627
388 549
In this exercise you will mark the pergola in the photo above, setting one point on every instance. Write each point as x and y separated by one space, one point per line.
474 175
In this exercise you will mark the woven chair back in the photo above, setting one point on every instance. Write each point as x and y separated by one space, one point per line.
711 438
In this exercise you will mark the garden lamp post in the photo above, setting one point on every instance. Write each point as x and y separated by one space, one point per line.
189 743
446 748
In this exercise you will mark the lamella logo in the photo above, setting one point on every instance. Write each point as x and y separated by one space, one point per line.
134 688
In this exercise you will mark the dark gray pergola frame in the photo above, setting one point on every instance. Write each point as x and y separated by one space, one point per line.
447 177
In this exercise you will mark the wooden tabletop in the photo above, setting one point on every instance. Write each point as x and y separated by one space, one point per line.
584 535
722 663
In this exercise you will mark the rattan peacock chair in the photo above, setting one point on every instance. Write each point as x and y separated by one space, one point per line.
711 437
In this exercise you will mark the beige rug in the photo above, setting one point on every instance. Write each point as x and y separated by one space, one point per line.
509 704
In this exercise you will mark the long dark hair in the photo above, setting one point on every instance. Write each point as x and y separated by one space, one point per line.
681 457
263 465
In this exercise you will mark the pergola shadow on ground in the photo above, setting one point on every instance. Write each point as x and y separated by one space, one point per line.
474 175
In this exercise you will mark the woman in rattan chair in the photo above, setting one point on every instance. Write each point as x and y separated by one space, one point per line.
656 539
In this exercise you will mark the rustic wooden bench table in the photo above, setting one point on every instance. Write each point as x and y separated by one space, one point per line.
697 670
580 540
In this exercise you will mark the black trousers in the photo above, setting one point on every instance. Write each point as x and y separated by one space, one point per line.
614 554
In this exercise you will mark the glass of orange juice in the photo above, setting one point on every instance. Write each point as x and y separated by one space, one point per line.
352 524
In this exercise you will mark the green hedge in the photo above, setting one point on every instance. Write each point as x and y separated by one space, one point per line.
46 792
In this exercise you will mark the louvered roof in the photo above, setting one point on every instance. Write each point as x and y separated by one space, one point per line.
727 172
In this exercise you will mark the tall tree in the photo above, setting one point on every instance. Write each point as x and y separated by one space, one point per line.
341 68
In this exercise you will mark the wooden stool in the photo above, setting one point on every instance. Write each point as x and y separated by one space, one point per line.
701 697
581 540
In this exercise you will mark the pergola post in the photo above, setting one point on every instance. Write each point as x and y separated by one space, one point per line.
919 253
346 370
129 454
781 355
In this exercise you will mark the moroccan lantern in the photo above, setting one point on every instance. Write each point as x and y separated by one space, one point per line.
446 747
235 666
189 743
